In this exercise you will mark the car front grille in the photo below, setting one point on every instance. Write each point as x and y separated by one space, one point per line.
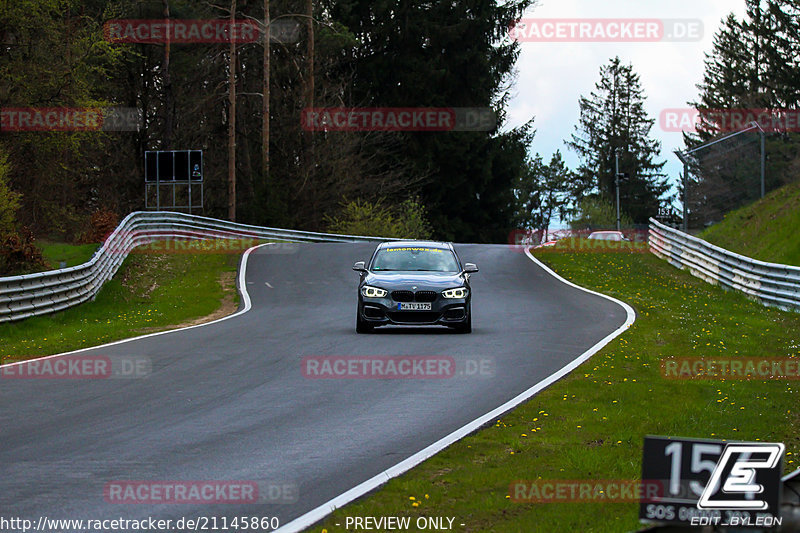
402 296
408 296
425 296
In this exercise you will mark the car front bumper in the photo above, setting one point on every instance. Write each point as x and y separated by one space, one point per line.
384 311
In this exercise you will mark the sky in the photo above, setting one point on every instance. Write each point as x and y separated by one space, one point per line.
552 76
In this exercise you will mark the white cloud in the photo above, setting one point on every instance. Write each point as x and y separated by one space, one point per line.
553 76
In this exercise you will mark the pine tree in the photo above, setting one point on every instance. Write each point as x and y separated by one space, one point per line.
415 53
528 193
753 66
542 193
557 202
753 63
613 122
729 72
772 29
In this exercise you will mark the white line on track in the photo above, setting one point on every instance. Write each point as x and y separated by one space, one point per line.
245 308
315 515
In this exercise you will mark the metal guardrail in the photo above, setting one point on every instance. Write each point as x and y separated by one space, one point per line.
772 284
47 292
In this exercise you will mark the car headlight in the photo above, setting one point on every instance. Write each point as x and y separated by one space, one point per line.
460 292
372 292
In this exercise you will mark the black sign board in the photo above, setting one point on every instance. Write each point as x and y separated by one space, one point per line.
173 166
711 482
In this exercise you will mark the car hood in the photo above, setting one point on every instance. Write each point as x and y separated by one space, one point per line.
422 280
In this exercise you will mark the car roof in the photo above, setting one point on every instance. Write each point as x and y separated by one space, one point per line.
416 244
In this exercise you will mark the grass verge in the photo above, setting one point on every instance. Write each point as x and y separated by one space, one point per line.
591 424
150 292
71 254
765 230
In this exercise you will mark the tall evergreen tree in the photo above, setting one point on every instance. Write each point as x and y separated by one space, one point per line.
542 194
415 53
52 54
772 30
613 122
754 65
403 53
528 195
729 70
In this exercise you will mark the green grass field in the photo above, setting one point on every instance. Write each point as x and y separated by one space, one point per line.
591 424
71 254
150 292
768 230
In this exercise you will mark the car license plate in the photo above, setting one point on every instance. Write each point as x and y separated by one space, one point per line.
414 306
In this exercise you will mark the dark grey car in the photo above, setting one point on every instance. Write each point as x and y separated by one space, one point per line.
414 283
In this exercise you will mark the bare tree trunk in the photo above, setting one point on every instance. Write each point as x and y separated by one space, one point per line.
168 101
265 99
246 188
232 120
310 53
309 96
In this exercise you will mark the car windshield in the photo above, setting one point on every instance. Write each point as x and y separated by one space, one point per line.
415 259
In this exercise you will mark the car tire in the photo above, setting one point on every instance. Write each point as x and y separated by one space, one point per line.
361 325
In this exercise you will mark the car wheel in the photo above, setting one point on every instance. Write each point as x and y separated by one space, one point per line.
361 325
466 327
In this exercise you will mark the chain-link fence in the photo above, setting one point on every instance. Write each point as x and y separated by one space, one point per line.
722 175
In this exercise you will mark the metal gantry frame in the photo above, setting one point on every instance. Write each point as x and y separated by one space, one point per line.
173 184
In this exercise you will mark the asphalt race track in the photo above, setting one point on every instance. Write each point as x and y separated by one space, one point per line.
229 401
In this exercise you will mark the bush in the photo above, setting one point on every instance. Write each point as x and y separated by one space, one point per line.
9 200
596 213
19 253
101 225
360 217
412 219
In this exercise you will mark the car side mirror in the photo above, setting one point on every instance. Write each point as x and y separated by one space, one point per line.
470 268
360 266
